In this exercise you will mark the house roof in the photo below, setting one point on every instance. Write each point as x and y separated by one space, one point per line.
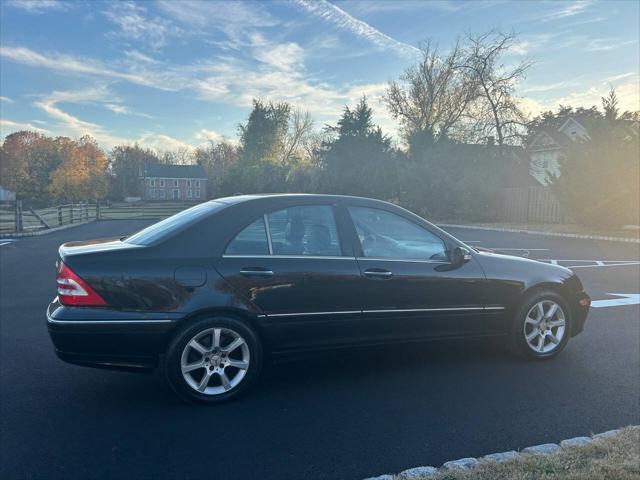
173 171
541 140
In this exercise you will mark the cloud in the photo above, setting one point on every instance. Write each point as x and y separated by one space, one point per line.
161 142
233 18
124 110
135 24
606 44
135 56
73 126
268 70
86 66
209 135
284 56
628 98
549 86
224 15
49 105
615 78
9 126
37 6
6 99
386 6
335 15
236 83
584 22
569 9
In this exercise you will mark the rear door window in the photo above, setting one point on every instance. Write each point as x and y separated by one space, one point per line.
304 230
250 241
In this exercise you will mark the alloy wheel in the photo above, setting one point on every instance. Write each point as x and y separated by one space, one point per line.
544 326
215 361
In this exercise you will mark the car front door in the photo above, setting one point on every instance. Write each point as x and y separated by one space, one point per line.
294 266
409 287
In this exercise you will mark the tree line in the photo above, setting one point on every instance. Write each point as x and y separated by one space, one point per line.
459 120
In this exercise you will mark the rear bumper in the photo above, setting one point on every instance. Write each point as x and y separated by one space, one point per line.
108 339
580 312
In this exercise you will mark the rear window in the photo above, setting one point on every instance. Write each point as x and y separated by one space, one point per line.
168 226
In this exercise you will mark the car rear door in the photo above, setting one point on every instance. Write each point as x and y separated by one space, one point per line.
409 288
294 265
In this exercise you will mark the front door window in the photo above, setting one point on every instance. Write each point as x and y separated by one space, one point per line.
386 235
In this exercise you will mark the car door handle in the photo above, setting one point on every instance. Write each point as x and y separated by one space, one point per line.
256 272
378 273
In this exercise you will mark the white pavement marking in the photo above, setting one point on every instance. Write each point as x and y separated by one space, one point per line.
590 263
4 243
625 299
625 264
523 249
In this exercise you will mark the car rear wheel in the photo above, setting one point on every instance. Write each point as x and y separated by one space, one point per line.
542 325
213 360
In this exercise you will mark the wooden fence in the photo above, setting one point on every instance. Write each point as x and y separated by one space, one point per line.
532 205
521 205
16 218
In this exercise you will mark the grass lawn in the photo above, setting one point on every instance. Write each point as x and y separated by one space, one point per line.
616 457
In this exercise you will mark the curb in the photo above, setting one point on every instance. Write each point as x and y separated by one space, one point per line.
37 233
470 462
548 234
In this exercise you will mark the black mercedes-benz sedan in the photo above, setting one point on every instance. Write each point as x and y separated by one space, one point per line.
208 293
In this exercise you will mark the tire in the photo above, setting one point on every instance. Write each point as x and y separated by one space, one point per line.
554 326
202 370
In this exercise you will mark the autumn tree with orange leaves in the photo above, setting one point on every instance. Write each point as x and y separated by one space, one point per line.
38 167
81 174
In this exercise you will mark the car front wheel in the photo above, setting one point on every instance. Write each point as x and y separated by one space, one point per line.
542 325
213 360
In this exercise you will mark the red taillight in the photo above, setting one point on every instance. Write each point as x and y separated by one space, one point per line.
73 291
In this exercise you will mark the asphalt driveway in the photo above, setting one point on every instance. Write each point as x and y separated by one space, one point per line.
332 416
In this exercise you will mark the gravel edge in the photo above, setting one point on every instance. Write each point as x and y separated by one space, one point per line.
470 462
539 232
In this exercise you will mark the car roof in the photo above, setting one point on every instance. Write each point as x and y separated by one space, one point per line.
307 196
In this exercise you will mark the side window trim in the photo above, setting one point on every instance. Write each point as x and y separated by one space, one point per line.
268 232
406 260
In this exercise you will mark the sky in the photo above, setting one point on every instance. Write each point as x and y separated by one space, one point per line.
171 74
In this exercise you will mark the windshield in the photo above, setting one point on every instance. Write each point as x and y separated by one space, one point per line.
168 226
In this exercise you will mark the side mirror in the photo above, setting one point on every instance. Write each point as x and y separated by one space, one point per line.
459 256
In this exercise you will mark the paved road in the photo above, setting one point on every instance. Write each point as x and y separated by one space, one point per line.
330 417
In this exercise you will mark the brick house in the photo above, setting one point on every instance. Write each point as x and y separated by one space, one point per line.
173 182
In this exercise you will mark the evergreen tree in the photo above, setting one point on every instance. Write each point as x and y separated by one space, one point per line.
359 159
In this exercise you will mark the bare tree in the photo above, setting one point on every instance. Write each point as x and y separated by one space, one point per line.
177 156
432 96
298 135
495 112
217 160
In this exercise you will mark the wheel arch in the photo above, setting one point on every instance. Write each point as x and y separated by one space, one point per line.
249 320
555 287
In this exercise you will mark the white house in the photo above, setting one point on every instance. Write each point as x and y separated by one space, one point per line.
547 148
